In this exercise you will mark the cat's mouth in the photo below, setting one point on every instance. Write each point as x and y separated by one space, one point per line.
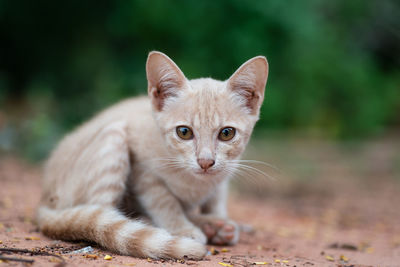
206 172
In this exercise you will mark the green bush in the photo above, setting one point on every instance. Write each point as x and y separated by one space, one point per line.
334 65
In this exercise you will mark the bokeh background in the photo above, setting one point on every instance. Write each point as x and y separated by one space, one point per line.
334 65
327 144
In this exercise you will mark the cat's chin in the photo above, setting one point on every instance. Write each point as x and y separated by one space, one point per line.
208 172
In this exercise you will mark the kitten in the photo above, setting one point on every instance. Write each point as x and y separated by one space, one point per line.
148 177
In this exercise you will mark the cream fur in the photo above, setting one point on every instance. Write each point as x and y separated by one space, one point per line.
131 151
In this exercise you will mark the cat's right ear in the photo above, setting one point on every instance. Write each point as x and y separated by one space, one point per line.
249 81
164 79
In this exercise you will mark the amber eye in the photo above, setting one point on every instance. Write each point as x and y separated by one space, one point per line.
184 132
226 134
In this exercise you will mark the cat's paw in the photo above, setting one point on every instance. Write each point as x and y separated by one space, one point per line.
187 247
221 232
193 233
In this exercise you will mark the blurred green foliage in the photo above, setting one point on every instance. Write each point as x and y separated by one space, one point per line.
334 65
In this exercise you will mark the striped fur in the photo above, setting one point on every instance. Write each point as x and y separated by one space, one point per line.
111 229
128 160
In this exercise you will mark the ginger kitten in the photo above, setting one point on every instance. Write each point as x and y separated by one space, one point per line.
148 177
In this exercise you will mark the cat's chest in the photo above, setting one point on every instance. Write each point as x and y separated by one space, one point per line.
189 192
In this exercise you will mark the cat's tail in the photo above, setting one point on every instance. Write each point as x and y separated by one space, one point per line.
114 231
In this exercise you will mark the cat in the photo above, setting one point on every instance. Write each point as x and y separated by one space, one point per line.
149 176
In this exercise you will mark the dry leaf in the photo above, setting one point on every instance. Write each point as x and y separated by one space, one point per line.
91 256
213 251
344 258
224 250
260 263
329 258
225 264
107 257
32 238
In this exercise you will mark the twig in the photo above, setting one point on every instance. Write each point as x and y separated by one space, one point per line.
16 259
32 252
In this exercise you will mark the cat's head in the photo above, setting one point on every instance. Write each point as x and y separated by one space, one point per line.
206 123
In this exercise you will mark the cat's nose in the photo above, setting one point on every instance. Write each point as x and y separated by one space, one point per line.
205 163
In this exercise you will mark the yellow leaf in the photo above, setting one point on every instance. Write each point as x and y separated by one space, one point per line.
260 263
1 242
277 261
344 258
129 264
213 251
225 264
224 250
285 261
329 258
107 257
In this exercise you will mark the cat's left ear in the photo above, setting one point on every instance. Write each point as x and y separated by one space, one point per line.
249 82
164 79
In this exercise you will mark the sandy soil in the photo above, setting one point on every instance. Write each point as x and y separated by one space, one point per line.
332 221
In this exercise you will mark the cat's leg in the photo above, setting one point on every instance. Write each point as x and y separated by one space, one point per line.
165 210
214 221
96 217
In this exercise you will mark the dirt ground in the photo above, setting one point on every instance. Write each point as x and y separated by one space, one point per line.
329 206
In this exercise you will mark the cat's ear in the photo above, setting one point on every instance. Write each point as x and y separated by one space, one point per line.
164 78
249 81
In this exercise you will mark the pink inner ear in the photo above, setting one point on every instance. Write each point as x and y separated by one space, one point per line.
163 90
249 82
249 94
164 78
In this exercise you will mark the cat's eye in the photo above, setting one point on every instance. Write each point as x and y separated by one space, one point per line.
226 134
184 132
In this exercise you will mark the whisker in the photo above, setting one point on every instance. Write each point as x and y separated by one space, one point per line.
275 168
245 177
255 170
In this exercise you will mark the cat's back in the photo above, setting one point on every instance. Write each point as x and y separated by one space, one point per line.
134 112
133 115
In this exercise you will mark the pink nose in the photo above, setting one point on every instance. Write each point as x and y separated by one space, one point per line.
205 163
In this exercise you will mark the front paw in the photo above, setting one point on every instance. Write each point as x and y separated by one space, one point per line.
221 232
192 232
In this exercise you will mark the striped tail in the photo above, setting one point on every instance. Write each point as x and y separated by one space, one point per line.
111 229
